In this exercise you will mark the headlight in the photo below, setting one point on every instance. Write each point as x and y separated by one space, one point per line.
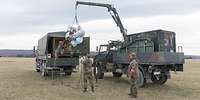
49 55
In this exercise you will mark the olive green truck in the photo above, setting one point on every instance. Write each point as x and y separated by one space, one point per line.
155 50
45 54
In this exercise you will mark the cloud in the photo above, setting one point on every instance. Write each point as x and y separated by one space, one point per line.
29 20
157 7
28 13
185 26
26 41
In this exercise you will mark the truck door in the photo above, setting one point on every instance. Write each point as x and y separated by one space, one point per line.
101 58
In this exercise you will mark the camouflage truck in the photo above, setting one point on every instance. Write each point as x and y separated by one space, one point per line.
45 54
156 54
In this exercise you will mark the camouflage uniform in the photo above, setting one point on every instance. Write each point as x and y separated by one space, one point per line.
67 47
63 48
59 50
133 74
87 73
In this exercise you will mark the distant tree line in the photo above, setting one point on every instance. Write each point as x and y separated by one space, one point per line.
21 55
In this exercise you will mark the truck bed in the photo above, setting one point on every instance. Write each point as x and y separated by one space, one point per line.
152 58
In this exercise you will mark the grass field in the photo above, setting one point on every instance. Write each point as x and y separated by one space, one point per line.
19 81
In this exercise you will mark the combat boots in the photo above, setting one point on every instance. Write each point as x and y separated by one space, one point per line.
131 94
92 89
85 90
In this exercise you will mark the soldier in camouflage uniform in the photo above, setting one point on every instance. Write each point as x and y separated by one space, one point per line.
133 75
87 73
59 50
64 47
67 46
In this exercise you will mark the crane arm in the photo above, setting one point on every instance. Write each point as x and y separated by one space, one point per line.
113 13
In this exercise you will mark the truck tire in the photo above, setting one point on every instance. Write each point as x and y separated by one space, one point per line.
98 73
37 67
162 79
44 72
68 70
116 74
141 81
37 70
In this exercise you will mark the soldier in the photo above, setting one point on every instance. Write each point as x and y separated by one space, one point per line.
133 75
59 49
87 73
67 46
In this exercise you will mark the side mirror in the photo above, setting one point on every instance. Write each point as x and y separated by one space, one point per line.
180 49
34 49
97 49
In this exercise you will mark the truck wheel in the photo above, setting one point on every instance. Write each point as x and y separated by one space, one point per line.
68 70
37 67
162 79
141 81
44 72
37 70
98 72
116 74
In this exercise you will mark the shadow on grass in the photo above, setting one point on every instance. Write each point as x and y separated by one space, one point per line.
117 80
74 83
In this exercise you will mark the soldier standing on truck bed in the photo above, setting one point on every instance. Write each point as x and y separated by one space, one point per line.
133 75
87 73
59 50
64 47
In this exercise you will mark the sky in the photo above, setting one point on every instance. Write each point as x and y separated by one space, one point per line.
24 22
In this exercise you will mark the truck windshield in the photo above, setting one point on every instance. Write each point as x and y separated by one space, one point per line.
103 49
113 48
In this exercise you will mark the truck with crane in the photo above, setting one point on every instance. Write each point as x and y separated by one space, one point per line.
156 52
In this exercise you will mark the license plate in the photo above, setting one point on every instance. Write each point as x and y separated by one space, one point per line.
156 73
119 70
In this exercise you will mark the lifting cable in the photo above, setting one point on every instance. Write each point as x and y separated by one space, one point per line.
75 21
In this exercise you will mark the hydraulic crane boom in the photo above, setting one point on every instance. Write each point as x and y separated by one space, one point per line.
113 13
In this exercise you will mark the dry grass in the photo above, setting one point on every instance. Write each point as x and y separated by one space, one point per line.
19 81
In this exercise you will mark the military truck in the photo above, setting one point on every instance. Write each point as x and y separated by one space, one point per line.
156 52
45 54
